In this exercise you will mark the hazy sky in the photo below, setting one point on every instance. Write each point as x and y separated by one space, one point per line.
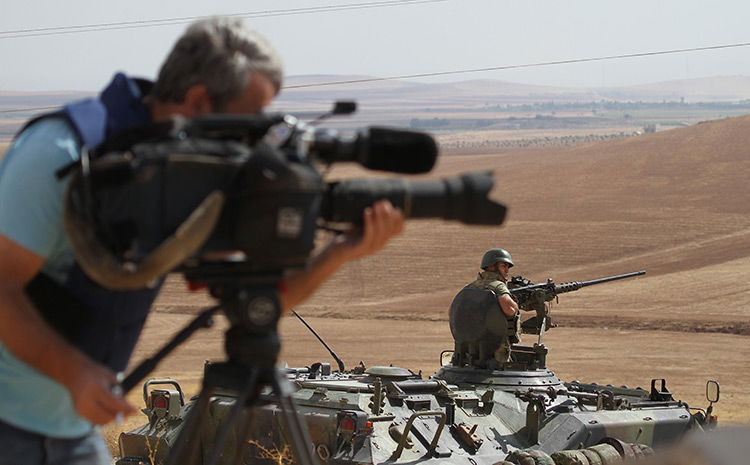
405 39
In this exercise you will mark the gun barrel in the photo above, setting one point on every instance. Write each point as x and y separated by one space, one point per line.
612 278
575 285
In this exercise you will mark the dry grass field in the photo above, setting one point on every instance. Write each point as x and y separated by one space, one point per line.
673 203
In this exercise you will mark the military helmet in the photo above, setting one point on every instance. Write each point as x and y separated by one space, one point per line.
493 256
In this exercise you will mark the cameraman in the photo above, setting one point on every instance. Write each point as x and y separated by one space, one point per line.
62 336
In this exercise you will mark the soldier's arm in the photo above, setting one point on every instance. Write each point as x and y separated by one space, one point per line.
508 305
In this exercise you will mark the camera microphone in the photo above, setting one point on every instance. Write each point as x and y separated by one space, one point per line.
378 148
399 151
375 148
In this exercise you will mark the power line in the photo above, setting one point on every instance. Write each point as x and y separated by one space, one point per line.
479 70
19 110
188 19
526 65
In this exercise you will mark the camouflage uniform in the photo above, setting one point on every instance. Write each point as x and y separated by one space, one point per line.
494 281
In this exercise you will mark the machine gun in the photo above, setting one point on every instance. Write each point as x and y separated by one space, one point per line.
535 297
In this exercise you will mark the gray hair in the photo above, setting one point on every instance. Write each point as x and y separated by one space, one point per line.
221 54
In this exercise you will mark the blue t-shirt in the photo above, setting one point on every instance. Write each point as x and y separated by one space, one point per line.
31 205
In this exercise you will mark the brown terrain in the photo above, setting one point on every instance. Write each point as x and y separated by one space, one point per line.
674 203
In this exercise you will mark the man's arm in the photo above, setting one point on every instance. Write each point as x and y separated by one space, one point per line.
381 222
25 333
509 306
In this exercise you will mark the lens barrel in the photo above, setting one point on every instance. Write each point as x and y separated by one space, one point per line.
462 198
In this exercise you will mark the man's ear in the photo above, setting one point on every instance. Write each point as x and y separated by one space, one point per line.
197 101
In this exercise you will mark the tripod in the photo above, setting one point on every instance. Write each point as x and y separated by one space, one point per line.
252 345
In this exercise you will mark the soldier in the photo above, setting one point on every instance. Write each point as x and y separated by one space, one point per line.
496 265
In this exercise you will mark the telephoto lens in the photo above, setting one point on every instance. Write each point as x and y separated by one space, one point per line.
462 198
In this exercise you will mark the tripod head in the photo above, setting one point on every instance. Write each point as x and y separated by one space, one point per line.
251 303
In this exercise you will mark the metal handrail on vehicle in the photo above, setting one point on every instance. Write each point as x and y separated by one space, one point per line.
408 427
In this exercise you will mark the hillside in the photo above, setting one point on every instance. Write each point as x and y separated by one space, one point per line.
703 89
481 91
672 203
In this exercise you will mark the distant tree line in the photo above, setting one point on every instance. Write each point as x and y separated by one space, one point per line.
429 123
536 142
539 121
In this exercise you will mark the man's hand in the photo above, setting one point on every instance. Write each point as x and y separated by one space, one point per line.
92 388
382 221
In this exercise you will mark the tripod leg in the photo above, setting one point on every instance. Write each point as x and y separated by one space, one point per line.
249 389
187 446
243 431
299 435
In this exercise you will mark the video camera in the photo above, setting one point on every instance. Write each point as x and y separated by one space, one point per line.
245 190
233 202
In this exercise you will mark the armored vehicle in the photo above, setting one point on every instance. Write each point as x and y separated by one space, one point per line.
476 410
